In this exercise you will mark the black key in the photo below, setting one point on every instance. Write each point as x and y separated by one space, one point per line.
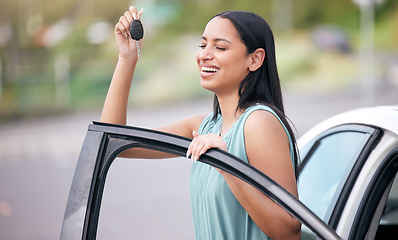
136 33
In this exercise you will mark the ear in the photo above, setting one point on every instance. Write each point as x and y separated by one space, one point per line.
257 59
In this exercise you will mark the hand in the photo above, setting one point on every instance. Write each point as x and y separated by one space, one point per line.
201 143
127 46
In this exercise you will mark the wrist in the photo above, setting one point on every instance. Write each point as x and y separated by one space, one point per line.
130 60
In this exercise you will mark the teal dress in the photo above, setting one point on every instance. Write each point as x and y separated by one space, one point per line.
216 212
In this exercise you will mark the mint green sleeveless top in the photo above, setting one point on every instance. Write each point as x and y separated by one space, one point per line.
216 212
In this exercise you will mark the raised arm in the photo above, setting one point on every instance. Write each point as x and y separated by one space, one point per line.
115 106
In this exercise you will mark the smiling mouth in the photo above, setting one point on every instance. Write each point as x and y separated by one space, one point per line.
209 69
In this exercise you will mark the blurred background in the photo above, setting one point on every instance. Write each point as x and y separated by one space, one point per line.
57 59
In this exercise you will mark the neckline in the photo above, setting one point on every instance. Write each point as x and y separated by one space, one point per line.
220 122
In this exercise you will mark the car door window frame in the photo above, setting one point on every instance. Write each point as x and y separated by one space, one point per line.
379 183
375 135
104 142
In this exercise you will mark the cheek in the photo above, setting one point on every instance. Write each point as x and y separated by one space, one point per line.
238 73
237 65
197 57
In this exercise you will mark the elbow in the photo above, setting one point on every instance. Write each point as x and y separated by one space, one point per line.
295 232
288 229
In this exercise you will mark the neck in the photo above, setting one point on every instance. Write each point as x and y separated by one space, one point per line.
228 107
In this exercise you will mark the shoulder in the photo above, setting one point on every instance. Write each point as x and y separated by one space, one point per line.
265 134
268 148
263 120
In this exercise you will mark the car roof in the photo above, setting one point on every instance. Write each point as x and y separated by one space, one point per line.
385 117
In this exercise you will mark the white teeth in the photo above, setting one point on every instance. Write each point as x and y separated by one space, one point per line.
208 69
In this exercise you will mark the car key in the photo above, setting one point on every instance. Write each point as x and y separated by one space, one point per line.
136 33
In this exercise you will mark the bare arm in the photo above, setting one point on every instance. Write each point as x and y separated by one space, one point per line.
267 148
115 107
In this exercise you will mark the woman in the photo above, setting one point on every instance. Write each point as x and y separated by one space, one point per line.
236 61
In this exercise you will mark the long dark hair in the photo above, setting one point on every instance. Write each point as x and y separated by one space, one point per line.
263 85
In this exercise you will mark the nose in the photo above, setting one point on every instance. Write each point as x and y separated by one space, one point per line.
205 53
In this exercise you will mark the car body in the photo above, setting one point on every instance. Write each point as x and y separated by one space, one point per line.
346 185
348 165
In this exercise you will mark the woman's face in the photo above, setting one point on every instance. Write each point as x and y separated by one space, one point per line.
222 58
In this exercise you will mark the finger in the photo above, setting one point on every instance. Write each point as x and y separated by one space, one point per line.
124 25
189 151
133 11
197 149
119 29
129 19
140 13
192 150
123 20
128 16
205 148
195 134
191 145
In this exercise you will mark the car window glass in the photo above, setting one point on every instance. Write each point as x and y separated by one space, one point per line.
146 199
327 169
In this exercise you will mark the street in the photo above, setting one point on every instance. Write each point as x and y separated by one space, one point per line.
142 199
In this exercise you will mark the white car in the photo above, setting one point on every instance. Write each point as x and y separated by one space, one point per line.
348 173
347 182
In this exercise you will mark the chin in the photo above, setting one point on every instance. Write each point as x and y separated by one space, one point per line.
206 86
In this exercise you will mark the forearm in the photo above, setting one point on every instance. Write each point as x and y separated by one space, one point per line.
115 106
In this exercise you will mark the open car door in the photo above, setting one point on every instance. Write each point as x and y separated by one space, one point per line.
104 142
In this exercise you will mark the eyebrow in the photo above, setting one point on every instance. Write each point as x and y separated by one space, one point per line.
218 40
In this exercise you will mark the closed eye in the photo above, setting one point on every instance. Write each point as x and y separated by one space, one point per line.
203 46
